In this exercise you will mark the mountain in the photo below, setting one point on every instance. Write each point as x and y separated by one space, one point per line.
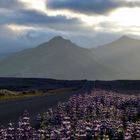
122 55
59 58
4 55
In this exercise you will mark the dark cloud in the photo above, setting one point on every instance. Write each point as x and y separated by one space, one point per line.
35 18
45 27
90 6
9 4
13 12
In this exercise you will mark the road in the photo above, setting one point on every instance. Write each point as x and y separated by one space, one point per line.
12 109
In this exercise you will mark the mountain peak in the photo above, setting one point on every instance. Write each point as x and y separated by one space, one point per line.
60 41
125 37
57 38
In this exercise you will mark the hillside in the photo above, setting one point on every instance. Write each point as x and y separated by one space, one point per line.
122 55
59 59
62 59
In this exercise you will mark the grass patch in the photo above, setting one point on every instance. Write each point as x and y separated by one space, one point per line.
17 96
64 90
26 94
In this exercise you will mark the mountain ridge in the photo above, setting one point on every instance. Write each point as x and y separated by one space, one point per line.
60 58
122 55
123 38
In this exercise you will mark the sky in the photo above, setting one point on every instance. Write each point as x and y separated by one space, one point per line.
89 23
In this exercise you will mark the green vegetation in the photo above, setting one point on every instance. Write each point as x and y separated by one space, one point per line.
8 95
20 95
64 90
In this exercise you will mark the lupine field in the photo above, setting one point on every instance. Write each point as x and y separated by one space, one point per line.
98 115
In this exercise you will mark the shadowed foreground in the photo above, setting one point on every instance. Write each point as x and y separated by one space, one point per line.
12 109
99 115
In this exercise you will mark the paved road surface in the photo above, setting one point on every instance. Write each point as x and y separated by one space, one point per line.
12 109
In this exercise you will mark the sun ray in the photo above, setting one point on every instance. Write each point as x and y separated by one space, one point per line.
39 5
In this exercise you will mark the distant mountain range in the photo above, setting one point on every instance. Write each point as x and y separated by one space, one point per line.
61 59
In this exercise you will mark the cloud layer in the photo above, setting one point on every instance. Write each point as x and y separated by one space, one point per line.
91 6
27 23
